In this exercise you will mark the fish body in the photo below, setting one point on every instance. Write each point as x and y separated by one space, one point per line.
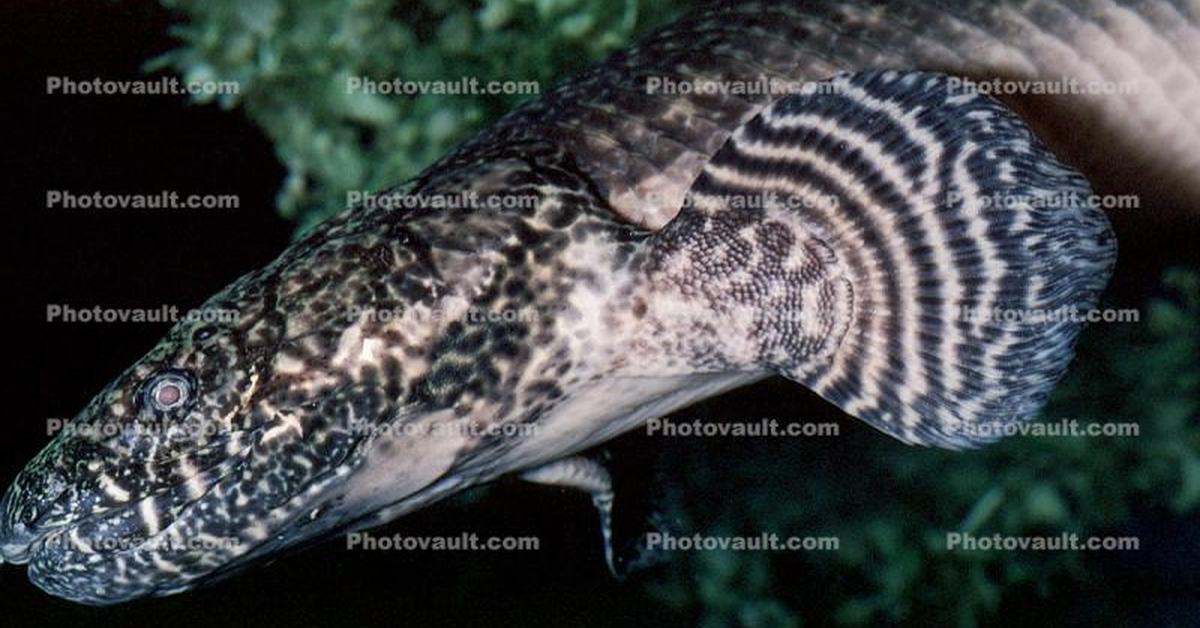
622 254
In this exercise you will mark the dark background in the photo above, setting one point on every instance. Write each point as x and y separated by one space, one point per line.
132 258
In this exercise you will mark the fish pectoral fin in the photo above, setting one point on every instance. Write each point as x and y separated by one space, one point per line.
911 253
587 475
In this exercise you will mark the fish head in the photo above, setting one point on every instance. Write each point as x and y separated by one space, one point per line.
251 429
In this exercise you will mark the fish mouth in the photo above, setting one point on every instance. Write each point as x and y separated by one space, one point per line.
20 540
109 557
16 542
31 519
117 553
214 523
28 546
82 562
16 548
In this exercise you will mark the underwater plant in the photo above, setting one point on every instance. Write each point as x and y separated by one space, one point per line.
892 513
293 58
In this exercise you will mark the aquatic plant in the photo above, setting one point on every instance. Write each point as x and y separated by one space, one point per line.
292 60
891 506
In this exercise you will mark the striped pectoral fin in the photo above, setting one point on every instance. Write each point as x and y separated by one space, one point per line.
909 253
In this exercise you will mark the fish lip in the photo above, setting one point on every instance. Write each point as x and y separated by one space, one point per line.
18 545
40 544
14 541
19 541
47 573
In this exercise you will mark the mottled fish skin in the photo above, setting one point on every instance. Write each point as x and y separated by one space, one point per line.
582 307
286 397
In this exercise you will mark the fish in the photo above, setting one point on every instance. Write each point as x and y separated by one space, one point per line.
615 250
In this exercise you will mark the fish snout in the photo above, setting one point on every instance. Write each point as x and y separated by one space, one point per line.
15 537
24 511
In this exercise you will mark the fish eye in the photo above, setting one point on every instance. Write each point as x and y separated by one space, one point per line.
169 390
203 333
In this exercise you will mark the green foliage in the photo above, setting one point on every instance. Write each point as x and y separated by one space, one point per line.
891 506
292 60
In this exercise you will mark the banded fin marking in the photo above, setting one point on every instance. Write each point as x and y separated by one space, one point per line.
873 222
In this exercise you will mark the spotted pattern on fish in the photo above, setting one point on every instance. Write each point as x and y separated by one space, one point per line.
624 221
